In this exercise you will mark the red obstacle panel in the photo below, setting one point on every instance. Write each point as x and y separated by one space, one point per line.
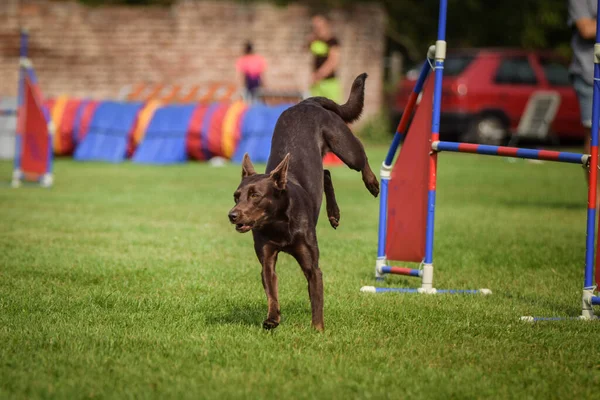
408 187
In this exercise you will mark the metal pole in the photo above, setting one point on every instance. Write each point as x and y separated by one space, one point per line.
560 156
17 173
588 288
440 56
408 110
381 236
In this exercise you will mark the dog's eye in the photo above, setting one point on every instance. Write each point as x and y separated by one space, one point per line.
236 199
254 196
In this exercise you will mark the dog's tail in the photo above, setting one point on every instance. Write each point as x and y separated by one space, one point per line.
350 111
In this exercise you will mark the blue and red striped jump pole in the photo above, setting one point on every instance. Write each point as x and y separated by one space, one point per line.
373 289
437 54
588 299
561 156
386 174
410 107
440 56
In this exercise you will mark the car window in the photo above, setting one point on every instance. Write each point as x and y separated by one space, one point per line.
453 66
556 73
515 71
456 64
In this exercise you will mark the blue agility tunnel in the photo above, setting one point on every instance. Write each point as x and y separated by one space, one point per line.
109 132
257 129
165 138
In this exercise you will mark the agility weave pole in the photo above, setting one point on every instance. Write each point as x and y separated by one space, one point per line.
33 141
589 299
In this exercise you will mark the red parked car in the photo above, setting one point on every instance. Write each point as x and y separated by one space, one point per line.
485 92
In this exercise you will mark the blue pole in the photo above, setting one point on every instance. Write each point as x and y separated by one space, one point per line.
20 98
591 214
402 126
412 290
405 271
541 319
560 156
381 237
435 131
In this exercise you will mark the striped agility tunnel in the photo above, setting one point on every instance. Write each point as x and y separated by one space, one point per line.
155 133
155 124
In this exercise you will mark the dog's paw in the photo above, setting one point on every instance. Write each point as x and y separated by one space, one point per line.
269 324
373 186
318 327
333 213
335 222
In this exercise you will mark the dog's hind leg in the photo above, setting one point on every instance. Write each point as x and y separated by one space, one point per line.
349 149
267 256
307 255
333 211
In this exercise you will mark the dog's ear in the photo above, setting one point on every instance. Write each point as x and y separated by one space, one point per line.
247 167
279 174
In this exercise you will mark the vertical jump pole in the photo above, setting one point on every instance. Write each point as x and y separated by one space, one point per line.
386 168
588 285
16 179
440 56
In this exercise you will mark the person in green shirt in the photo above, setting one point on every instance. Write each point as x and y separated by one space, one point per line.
325 48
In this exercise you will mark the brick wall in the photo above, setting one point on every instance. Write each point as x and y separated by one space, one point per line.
95 51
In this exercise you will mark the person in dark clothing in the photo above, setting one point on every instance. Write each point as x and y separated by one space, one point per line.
582 21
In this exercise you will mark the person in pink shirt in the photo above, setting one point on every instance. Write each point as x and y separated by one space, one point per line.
251 68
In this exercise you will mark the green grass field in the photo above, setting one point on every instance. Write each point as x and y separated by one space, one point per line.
127 281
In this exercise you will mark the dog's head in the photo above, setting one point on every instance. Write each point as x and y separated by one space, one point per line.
259 196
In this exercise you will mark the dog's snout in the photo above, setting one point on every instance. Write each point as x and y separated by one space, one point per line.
233 216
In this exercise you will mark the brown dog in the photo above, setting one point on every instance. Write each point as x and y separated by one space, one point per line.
281 207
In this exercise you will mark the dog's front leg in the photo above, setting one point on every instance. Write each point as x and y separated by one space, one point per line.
268 258
333 211
307 256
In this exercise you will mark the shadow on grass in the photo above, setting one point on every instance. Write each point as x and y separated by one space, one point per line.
391 281
251 313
